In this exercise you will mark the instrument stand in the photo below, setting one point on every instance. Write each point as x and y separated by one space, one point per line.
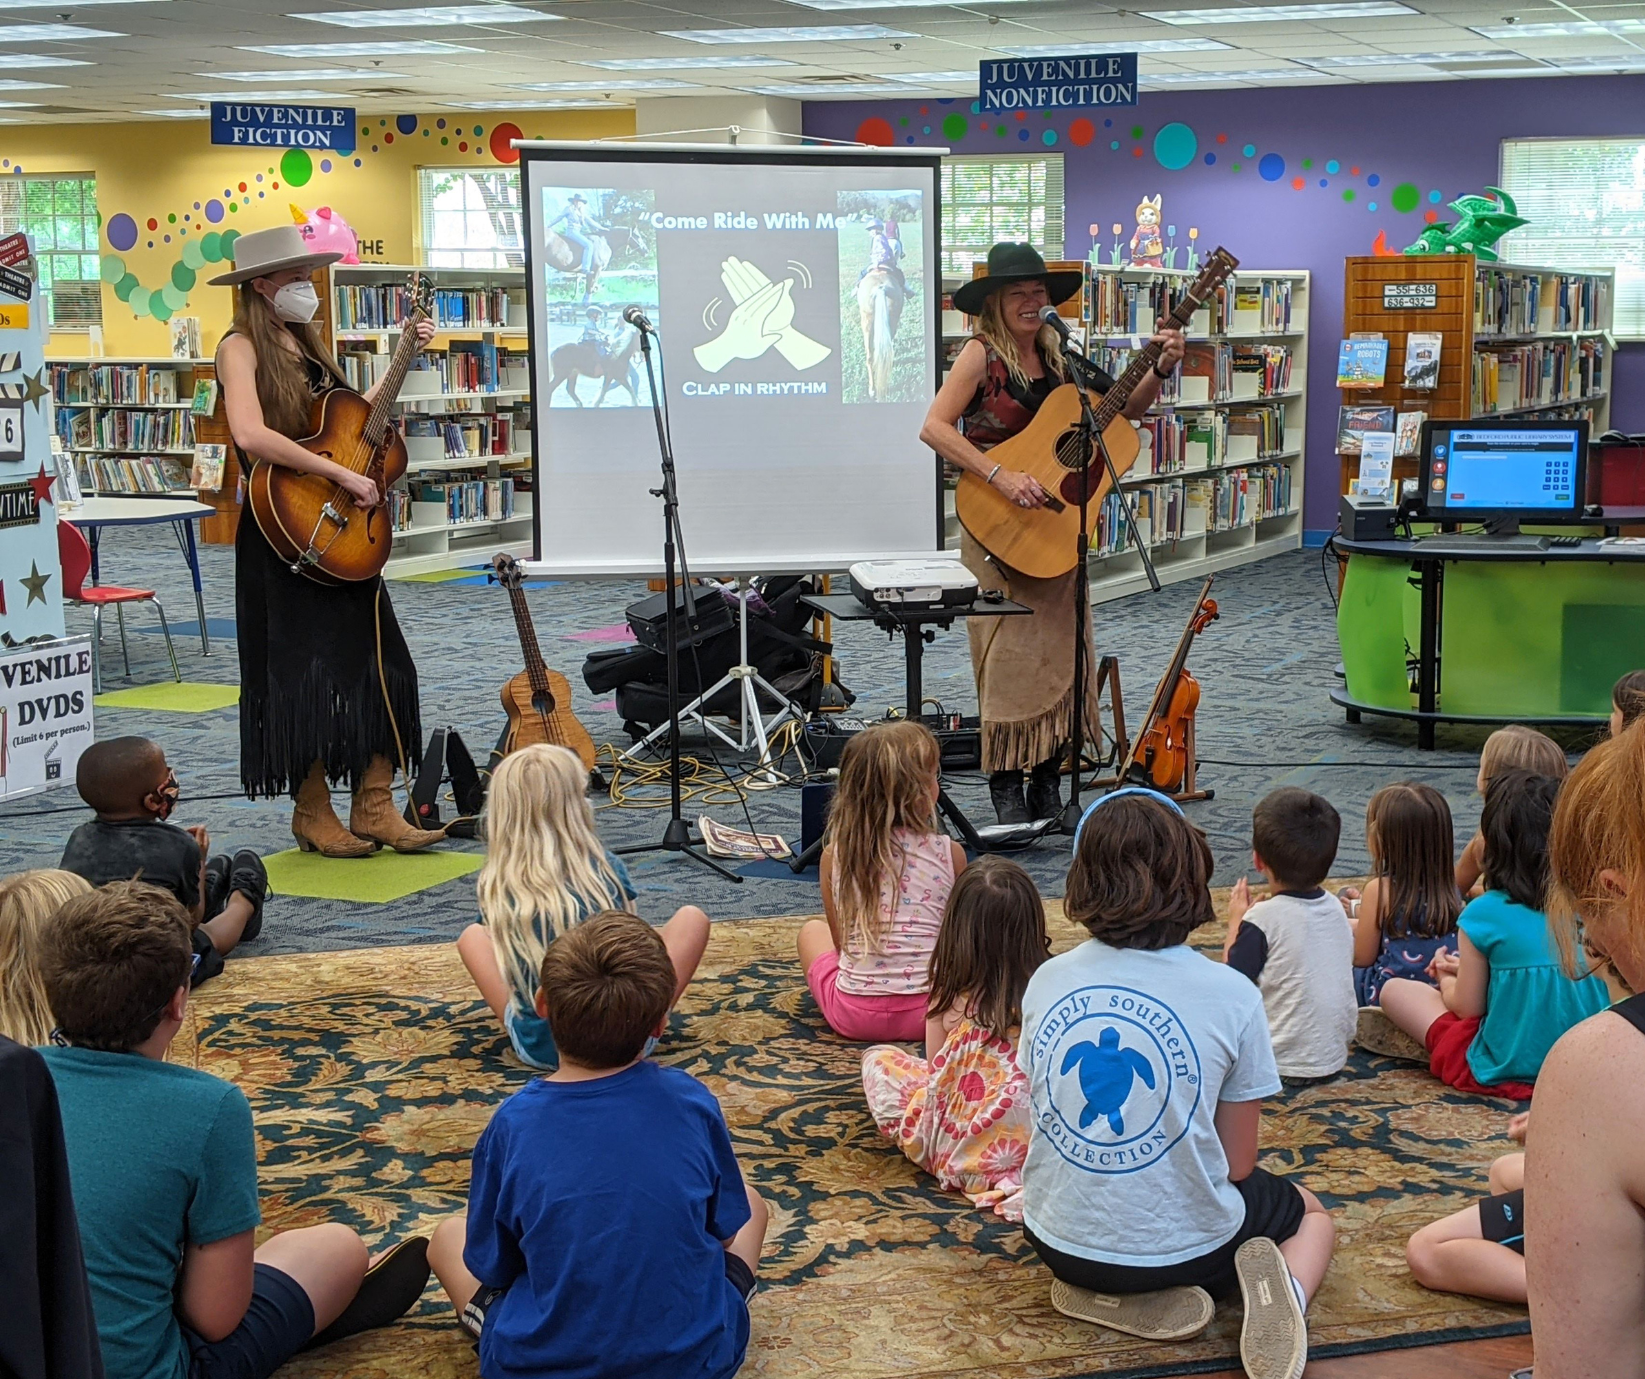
752 727
677 836
1069 822
1108 673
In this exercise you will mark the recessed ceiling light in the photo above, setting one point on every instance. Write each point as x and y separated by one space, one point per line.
1129 45
822 33
16 61
78 4
199 114
307 74
398 47
664 64
532 105
1263 76
1610 62
935 78
881 4
32 86
1597 28
1352 9
1409 59
428 16
50 33
245 97
812 90
633 84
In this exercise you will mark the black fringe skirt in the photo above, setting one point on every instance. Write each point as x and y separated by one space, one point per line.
309 683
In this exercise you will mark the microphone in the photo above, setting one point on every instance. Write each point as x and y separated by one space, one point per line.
1049 316
636 318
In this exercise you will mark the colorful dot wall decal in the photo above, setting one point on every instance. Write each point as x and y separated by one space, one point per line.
406 124
1436 197
1372 180
1298 183
1022 134
1210 159
1114 145
1333 166
1272 167
501 137
1175 146
122 231
1081 132
1136 131
953 127
325 166
214 210
153 224
1348 195
1405 197
1049 138
1250 150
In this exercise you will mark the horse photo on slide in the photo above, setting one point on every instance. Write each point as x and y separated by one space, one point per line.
882 297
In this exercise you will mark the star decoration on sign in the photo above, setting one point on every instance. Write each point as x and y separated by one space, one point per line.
35 583
41 486
33 389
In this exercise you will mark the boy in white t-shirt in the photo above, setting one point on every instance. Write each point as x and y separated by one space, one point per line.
1297 945
1146 1064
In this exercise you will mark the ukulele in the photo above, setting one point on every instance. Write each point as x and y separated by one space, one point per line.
311 521
537 700
1164 755
1043 541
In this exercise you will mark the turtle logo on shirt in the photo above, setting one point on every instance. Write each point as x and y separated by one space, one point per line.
1106 1071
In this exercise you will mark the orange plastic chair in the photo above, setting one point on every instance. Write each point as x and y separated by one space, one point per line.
74 555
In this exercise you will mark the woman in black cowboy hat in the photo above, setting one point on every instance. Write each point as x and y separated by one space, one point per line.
996 385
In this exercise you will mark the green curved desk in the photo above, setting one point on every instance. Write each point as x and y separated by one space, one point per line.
1499 636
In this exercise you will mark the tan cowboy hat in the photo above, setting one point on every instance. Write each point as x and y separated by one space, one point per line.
270 251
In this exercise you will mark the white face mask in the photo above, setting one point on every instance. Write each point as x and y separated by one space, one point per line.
296 302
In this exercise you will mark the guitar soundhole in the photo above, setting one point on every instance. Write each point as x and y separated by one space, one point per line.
1073 449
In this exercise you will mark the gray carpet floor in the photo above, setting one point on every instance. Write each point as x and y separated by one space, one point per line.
1266 667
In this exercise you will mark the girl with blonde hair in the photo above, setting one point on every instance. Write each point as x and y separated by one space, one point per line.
1514 748
28 901
545 873
886 874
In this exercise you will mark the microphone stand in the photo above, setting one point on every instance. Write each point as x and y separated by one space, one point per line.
677 835
1080 367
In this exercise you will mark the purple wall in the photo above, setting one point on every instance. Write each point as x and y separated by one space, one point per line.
1369 159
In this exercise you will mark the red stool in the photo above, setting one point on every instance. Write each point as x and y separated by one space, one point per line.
75 557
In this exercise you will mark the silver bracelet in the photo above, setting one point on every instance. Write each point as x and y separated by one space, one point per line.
992 472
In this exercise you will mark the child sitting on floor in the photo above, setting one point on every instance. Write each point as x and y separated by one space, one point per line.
1409 910
1627 701
1296 945
29 901
1147 1064
1515 747
1479 1250
128 782
1502 999
163 1164
609 1227
545 873
886 874
961 1112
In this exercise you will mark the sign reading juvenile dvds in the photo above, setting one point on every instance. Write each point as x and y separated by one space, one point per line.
1059 83
268 124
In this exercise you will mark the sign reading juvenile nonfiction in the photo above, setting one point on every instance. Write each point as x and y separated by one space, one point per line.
1410 296
1094 81
267 124
45 713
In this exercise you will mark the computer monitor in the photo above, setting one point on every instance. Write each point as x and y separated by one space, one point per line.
1502 471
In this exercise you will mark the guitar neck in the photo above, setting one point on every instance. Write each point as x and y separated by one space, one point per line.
534 664
388 391
1114 400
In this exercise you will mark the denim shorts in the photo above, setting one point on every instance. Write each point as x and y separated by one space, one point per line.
511 1022
277 1324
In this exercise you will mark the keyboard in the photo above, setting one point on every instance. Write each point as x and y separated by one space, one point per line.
1479 544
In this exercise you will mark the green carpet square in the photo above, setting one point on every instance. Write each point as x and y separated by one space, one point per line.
169 696
385 875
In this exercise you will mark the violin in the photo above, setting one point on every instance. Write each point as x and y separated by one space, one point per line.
1164 748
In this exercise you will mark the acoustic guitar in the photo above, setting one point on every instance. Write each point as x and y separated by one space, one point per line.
311 521
1164 755
537 700
1042 541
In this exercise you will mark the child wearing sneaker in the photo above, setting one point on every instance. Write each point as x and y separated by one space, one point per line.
1147 1064
134 791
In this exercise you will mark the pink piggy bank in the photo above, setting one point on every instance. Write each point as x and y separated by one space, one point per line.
326 232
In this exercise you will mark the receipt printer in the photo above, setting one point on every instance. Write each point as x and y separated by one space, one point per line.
1368 519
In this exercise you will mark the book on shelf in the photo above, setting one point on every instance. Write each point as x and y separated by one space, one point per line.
205 398
65 483
1522 301
133 473
131 429
1509 378
385 306
99 385
1362 363
1408 432
1354 422
1207 372
207 473
1422 351
185 337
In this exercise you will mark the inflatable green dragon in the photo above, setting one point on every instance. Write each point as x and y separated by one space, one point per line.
1481 221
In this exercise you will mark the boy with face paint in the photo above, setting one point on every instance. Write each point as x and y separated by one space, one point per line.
134 791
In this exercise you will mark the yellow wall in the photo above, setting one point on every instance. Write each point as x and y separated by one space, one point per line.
161 169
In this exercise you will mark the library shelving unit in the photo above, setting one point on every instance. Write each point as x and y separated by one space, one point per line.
465 413
1219 479
1518 341
126 421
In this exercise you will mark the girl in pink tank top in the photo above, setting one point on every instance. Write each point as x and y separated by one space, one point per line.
886 874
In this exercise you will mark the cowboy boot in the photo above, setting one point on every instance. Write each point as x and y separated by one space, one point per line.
373 815
315 824
1005 790
1045 789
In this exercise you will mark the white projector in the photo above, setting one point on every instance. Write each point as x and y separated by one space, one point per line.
920 583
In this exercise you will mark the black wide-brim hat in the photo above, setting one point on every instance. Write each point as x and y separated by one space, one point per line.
1015 263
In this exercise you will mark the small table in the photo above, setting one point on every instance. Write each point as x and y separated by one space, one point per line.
95 513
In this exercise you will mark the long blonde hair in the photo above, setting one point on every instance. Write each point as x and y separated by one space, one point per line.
990 328
886 777
545 869
282 384
28 902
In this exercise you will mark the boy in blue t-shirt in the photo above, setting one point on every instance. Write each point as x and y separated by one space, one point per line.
163 1166
609 1229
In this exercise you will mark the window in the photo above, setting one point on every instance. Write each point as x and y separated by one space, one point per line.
60 213
471 217
1008 197
1585 199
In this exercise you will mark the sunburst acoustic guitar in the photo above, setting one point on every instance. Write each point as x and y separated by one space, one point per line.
537 700
1041 541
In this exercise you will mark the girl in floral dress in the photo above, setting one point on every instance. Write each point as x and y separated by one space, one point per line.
961 1113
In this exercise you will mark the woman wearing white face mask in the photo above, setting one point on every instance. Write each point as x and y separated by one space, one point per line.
328 689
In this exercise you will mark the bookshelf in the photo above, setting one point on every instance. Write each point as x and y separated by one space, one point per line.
1219 479
1517 340
126 421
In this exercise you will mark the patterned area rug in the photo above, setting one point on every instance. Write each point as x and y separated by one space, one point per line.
372 1072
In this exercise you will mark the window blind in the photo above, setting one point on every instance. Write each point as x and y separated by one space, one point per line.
1585 199
470 217
999 197
60 212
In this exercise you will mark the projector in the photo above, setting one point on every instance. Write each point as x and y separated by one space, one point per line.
924 583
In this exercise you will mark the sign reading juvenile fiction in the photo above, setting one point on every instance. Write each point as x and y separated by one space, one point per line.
45 714
267 124
1410 296
1059 83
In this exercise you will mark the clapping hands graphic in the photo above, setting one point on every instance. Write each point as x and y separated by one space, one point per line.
761 318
